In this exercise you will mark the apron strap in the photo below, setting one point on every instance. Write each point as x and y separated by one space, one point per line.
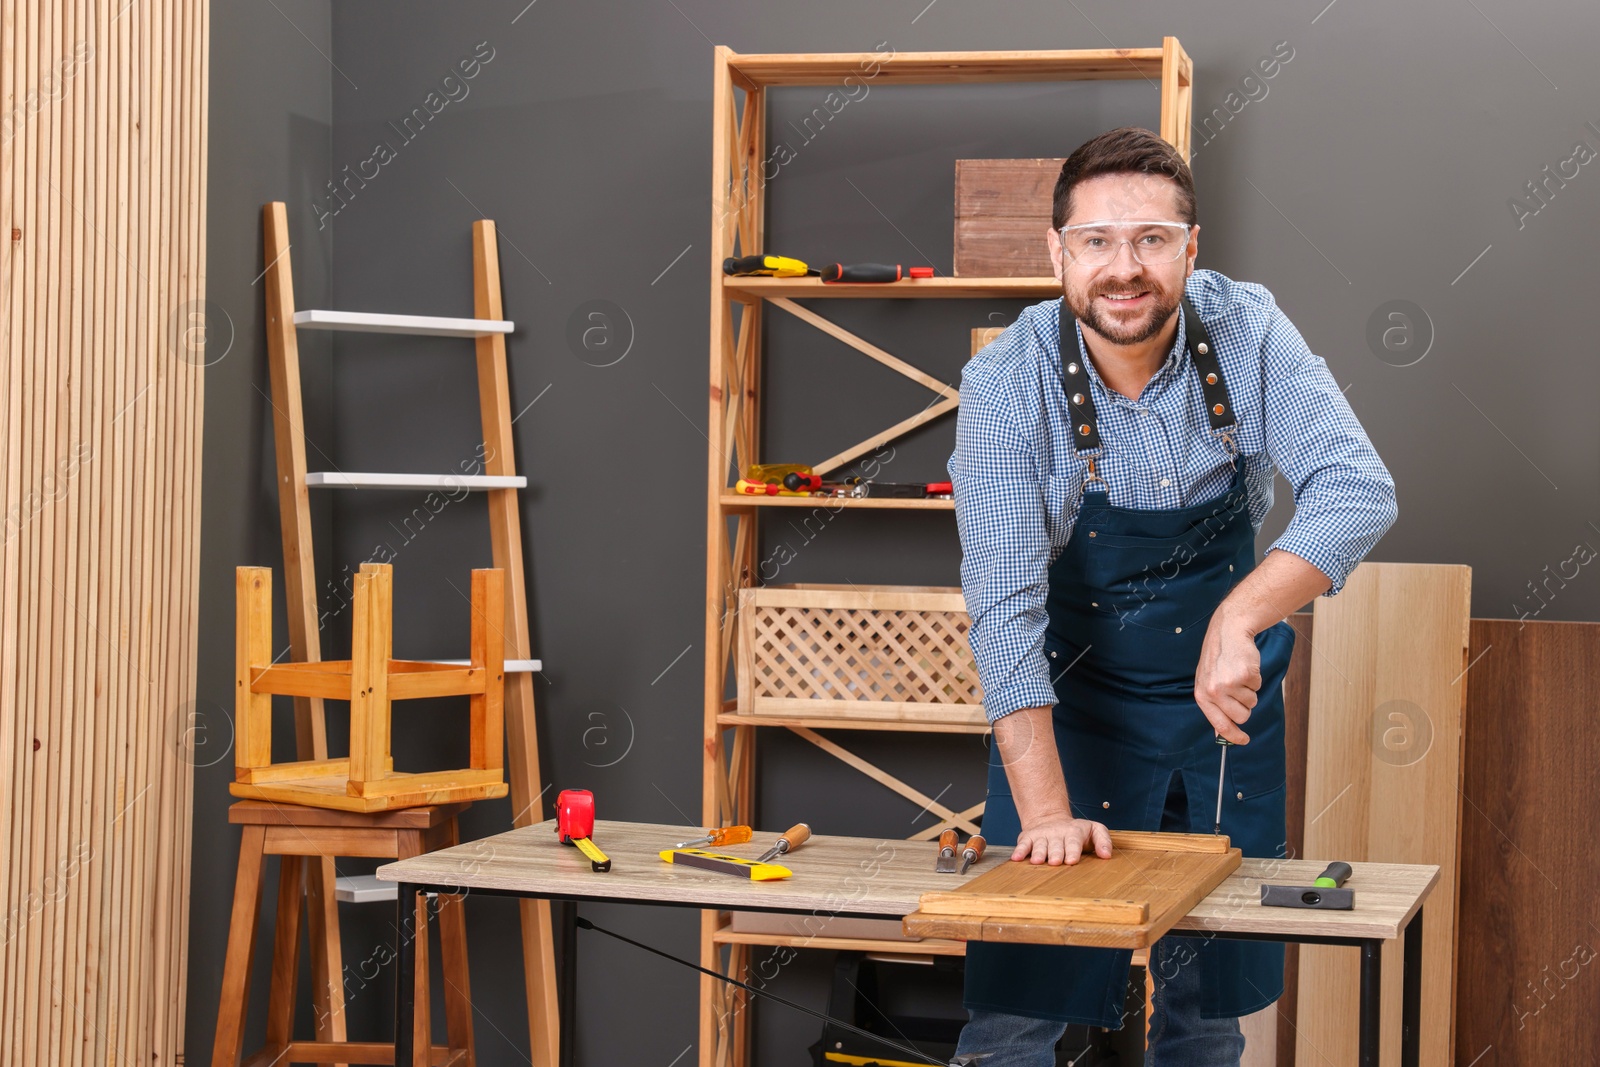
1080 398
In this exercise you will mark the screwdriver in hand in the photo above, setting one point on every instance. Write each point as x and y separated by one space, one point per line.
722 835
1221 776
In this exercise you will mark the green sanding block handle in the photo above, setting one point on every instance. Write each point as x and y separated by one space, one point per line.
1334 876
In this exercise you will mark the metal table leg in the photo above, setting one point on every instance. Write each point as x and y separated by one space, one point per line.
1411 994
405 979
1371 1001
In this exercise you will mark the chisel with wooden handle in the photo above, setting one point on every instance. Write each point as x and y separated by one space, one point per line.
791 839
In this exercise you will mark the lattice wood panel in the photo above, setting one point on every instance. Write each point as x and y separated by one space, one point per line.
880 652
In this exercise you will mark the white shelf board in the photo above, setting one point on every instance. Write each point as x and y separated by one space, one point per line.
357 480
362 889
420 325
513 666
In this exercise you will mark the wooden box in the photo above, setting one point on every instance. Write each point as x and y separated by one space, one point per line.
1002 216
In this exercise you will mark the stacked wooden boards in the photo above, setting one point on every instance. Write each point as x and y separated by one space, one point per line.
1128 900
102 326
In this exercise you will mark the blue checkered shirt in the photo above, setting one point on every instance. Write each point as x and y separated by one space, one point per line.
1018 480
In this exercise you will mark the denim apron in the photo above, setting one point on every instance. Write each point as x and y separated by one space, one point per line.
1130 598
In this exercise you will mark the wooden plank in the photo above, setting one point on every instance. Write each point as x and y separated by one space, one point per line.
281 772
412 685
505 542
937 288
1527 844
1385 730
488 657
252 709
928 68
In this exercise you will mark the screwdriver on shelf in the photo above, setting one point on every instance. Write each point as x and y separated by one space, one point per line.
791 839
722 835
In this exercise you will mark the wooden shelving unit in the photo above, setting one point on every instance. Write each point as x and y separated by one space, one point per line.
739 117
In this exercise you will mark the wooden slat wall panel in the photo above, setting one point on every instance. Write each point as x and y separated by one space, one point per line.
102 210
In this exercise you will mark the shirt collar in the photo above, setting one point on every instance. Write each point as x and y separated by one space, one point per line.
1171 367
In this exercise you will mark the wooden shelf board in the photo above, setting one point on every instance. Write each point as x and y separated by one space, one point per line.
416 325
736 501
929 68
936 288
819 722
360 480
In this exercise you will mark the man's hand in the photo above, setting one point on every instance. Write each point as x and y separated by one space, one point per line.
1228 676
1057 839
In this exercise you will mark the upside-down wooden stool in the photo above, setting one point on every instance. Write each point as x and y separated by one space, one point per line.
371 680
294 833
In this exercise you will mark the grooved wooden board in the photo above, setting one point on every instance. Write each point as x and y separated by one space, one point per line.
1128 900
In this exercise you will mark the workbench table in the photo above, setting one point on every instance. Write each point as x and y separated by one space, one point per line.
873 878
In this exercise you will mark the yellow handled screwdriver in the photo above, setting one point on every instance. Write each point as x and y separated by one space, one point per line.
722 835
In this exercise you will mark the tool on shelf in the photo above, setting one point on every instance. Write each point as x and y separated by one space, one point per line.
773 479
722 835
1222 776
787 267
787 842
1325 894
575 825
972 853
860 487
738 866
765 266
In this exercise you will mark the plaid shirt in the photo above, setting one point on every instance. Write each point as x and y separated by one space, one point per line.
1018 480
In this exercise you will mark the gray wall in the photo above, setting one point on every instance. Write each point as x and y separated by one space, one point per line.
1377 165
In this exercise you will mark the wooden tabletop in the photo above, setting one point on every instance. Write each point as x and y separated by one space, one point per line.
871 877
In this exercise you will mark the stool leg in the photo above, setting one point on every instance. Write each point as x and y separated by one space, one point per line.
235 997
453 965
285 952
410 844
327 958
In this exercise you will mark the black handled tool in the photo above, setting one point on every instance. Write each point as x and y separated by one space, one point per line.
1326 893
862 272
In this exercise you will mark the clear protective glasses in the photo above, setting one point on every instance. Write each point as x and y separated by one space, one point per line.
1094 244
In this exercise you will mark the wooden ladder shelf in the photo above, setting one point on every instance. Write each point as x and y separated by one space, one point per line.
500 482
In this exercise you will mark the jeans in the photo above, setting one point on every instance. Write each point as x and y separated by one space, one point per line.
1179 1037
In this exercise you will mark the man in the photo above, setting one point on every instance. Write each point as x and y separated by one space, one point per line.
1114 458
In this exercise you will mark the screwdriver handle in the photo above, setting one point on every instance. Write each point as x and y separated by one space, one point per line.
974 850
729 835
795 836
862 272
1334 876
947 842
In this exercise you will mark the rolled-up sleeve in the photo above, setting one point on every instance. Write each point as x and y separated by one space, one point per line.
1344 497
1000 516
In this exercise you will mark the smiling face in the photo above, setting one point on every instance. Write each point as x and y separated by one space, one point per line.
1124 301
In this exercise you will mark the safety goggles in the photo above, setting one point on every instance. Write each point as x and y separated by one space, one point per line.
1153 242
